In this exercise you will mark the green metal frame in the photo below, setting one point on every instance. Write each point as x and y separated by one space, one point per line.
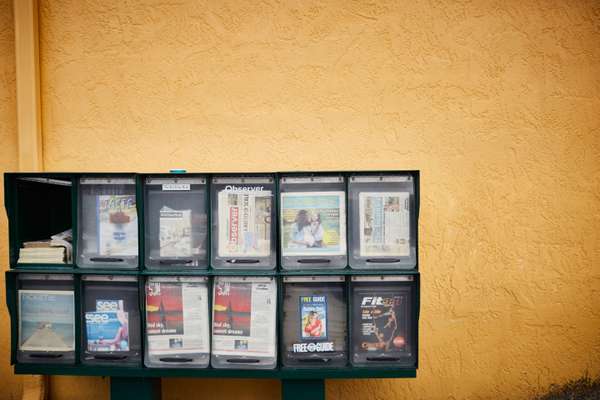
141 382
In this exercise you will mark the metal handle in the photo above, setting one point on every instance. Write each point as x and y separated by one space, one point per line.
107 259
243 261
383 260
109 357
383 358
314 360
243 360
176 359
313 260
45 355
175 261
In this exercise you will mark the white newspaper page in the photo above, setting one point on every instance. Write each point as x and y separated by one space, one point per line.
384 224
244 223
175 232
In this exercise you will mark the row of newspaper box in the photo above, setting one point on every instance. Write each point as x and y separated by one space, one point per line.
324 221
324 321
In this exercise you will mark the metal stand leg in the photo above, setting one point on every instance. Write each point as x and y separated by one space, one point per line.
302 389
135 388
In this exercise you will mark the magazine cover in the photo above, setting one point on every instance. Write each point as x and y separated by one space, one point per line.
117 225
384 224
313 223
244 318
313 315
175 232
244 223
382 321
46 320
176 318
107 331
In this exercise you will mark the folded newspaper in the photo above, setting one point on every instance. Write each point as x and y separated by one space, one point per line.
57 250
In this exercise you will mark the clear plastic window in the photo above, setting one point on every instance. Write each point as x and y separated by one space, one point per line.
177 321
46 319
175 222
244 323
383 226
313 222
243 218
383 321
111 323
314 322
108 223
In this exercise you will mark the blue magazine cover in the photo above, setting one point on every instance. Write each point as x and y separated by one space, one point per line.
107 331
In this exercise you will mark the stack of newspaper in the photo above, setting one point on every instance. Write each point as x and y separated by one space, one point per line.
57 250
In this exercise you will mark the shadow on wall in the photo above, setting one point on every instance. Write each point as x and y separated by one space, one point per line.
584 388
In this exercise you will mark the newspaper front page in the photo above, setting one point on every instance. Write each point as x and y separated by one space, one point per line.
177 318
384 224
244 223
244 317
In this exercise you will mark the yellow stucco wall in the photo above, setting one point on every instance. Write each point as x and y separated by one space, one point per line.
10 385
496 102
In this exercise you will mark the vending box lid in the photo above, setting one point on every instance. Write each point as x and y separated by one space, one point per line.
45 277
167 182
49 181
380 178
183 279
109 278
299 279
249 279
107 181
383 278
312 179
242 179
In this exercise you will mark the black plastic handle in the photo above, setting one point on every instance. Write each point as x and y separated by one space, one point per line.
45 355
106 259
243 360
176 359
383 260
243 261
383 358
174 261
314 260
109 357
314 360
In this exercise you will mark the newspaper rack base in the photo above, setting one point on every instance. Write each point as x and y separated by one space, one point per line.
144 383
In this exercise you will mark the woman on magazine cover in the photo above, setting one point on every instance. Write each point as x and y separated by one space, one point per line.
306 231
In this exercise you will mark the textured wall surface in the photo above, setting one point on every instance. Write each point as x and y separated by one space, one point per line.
10 385
496 102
